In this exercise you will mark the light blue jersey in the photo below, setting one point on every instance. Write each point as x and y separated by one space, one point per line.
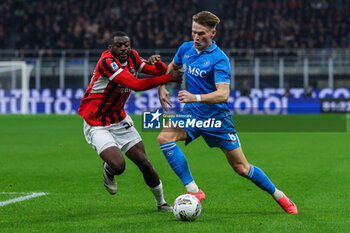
203 70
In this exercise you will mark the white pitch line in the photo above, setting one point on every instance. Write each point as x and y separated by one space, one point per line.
15 193
18 199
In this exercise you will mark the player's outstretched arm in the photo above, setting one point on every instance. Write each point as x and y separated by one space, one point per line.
127 79
221 95
164 95
154 66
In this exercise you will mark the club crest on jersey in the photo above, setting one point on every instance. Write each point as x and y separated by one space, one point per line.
206 63
114 66
133 71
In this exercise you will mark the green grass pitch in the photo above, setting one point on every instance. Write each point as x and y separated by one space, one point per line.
48 153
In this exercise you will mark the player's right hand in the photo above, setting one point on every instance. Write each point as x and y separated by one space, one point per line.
176 75
164 98
153 60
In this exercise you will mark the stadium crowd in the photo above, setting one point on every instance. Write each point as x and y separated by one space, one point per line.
285 24
88 24
78 24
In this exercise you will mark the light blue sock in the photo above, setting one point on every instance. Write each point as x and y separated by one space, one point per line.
177 161
260 179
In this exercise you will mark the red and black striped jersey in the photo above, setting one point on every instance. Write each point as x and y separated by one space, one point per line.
110 87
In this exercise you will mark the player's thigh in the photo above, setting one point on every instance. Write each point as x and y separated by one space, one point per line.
177 129
125 134
172 133
114 158
99 137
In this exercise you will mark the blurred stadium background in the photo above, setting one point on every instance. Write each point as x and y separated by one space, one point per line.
289 48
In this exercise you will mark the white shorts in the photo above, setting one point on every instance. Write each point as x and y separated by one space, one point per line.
122 135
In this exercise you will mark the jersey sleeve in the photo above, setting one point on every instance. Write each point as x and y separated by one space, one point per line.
109 68
178 56
125 78
157 69
139 61
222 73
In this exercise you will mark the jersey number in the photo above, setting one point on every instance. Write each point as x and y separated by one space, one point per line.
232 136
128 125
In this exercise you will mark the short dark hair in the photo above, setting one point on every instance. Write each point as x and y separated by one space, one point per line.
118 34
206 19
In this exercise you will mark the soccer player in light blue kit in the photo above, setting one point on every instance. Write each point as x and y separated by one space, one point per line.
207 71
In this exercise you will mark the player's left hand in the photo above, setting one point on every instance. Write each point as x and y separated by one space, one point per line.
186 97
152 59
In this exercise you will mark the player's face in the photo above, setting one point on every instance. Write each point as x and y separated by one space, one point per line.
202 36
120 48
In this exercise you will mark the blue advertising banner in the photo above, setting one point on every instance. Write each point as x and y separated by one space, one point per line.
260 101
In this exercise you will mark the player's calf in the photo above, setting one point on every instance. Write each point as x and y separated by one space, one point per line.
241 169
258 177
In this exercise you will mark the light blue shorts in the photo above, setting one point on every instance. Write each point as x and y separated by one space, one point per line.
216 132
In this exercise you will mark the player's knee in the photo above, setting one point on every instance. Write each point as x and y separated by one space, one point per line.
163 138
241 169
118 167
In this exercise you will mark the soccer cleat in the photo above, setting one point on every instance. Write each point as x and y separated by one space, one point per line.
109 181
200 195
287 205
165 208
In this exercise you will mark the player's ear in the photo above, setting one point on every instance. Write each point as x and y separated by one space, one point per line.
213 32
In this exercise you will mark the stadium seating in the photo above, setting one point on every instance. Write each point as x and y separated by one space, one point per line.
52 24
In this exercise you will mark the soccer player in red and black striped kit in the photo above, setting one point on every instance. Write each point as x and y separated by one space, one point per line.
107 127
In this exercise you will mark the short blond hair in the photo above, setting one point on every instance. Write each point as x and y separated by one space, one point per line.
206 19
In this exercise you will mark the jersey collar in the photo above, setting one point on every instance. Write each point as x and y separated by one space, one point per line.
208 50
212 47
